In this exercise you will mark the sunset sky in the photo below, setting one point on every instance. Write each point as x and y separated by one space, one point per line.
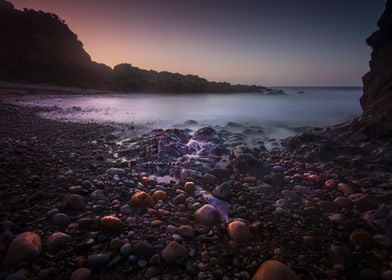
273 43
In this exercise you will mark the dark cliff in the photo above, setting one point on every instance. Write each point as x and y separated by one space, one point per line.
38 47
377 97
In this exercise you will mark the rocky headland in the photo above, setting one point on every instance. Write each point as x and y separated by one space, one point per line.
80 202
39 48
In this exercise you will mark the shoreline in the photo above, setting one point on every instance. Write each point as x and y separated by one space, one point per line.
295 213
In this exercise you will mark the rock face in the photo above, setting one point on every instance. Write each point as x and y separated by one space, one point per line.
274 270
376 100
38 47
25 247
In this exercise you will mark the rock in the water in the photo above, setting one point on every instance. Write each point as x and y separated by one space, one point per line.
25 247
209 179
81 274
111 224
74 202
174 253
223 191
238 231
207 215
274 270
57 240
159 195
142 199
206 134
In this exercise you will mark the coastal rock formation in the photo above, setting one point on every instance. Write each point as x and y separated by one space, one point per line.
38 47
377 97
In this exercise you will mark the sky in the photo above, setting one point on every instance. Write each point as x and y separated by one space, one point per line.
263 42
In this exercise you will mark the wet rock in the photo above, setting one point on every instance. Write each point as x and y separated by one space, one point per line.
25 247
206 134
274 270
159 195
81 274
186 231
74 202
98 259
209 179
61 219
238 231
57 240
207 215
223 191
142 199
111 224
174 253
189 187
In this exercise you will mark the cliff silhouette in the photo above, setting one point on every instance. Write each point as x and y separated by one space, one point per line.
376 100
39 47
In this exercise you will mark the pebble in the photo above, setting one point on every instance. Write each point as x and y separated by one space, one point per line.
361 239
274 270
61 219
209 179
16 276
98 259
174 253
57 240
186 231
142 199
81 274
238 231
111 224
207 215
74 202
179 199
126 249
159 195
143 249
189 187
223 191
25 247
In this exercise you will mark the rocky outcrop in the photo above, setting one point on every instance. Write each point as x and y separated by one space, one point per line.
38 47
377 97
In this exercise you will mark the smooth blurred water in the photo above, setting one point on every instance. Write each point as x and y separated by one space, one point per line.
314 107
